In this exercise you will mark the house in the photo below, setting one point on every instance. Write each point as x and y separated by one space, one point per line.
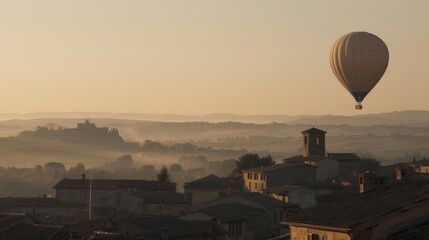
300 195
349 163
424 168
375 214
170 227
77 190
259 179
369 180
389 174
235 218
116 197
267 212
329 164
162 202
327 168
209 188
38 206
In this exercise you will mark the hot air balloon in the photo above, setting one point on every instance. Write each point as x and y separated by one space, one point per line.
359 60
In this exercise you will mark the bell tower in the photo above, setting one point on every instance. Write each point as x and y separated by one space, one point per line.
313 142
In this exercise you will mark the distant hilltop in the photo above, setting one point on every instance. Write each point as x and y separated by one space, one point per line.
406 118
84 133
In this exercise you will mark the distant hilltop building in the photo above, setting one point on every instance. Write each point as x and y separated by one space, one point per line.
84 133
329 165
86 125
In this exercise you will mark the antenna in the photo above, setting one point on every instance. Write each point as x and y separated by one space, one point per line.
90 195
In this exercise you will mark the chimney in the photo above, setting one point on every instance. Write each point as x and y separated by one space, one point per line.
400 173
83 176
369 180
366 182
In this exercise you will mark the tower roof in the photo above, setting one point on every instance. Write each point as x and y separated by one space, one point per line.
313 130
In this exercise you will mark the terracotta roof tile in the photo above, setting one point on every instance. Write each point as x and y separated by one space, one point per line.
114 184
210 182
365 207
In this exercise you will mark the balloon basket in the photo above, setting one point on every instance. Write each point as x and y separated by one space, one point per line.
358 106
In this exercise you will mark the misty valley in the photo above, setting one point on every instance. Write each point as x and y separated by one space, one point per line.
40 152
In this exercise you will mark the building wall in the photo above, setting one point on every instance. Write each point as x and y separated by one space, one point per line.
424 169
314 145
73 195
205 195
306 198
254 181
198 216
302 233
327 168
201 195
103 198
291 176
259 181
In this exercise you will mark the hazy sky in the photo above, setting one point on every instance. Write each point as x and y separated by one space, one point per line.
197 56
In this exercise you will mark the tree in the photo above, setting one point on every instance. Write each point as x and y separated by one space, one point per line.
163 175
79 168
175 168
125 161
250 160
55 169
151 146
38 171
370 164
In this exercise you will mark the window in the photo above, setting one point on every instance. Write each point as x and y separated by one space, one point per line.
250 185
317 140
63 195
231 227
249 175
263 177
313 237
256 185
255 176
99 193
262 186
239 226
235 229
305 140
76 195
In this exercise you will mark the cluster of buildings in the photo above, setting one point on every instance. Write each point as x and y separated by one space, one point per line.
313 196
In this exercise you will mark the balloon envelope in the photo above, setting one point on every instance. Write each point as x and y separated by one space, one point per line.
359 60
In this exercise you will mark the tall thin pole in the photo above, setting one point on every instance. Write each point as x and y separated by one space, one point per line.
90 195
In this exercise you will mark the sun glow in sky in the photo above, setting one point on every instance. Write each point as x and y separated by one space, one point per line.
198 57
